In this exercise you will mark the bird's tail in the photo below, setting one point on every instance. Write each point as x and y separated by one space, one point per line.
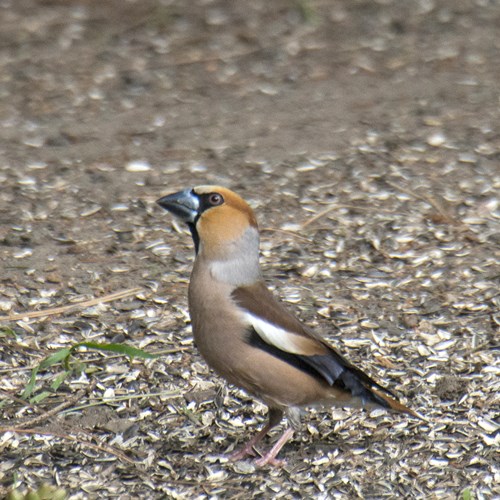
370 392
395 405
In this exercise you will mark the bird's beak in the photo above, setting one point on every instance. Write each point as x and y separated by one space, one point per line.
184 205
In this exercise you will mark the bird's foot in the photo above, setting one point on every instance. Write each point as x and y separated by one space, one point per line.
270 456
267 459
248 449
242 453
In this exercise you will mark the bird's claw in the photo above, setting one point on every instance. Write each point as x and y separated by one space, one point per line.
269 460
242 453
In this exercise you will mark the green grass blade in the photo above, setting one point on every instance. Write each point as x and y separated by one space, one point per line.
57 357
130 351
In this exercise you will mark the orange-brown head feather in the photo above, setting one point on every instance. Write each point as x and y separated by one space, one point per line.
220 225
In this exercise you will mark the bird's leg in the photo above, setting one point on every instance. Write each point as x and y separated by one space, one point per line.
293 415
270 456
248 448
275 417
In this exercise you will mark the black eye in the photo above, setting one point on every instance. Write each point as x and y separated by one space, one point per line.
215 199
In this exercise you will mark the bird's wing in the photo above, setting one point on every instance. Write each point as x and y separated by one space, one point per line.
277 331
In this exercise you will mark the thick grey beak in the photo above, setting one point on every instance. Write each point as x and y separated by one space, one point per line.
184 205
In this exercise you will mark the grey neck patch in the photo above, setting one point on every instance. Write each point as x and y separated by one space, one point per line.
240 265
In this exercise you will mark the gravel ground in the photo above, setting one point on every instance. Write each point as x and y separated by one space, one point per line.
364 134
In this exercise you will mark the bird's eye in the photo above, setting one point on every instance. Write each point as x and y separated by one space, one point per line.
215 199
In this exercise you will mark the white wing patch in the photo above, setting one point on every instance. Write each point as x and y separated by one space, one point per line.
274 335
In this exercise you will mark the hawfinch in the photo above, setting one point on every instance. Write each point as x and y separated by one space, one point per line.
246 335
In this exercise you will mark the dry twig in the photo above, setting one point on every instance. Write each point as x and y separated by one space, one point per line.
70 307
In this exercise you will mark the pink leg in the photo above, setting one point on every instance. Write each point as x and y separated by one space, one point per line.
248 448
275 417
270 456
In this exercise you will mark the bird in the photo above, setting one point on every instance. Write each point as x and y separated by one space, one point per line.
247 335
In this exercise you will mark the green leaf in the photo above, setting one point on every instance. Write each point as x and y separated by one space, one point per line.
30 386
15 495
59 380
5 331
57 357
40 397
130 351
467 494
63 356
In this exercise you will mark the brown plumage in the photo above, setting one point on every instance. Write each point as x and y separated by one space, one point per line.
246 335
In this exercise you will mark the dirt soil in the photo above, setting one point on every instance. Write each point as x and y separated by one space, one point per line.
366 136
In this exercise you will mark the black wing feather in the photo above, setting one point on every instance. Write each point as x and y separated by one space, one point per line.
331 367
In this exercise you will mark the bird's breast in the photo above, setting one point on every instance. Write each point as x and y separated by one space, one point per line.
221 333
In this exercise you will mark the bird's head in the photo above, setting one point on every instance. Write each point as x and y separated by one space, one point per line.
222 224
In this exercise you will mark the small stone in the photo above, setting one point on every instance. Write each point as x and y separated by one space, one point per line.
437 139
138 166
